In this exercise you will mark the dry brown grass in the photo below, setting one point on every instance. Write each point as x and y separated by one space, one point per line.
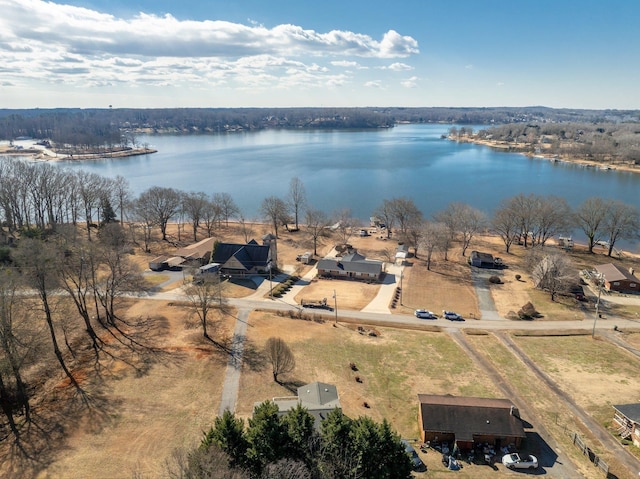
447 285
350 294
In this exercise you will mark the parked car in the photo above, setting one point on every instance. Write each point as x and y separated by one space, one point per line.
418 465
515 461
424 314
451 316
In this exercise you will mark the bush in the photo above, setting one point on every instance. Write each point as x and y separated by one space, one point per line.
518 277
495 280
528 312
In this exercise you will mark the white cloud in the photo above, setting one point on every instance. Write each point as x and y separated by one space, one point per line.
410 82
399 67
468 67
44 42
373 84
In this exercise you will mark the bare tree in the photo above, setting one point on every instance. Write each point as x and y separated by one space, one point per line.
194 205
464 220
345 225
551 272
622 222
406 213
227 207
162 204
385 214
16 341
245 227
506 224
297 198
119 275
122 193
203 294
590 216
433 237
77 271
316 223
552 216
38 262
275 210
280 357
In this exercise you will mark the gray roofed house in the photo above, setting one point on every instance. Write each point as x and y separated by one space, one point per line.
352 265
318 398
468 421
242 259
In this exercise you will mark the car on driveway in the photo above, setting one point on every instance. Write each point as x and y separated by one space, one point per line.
416 462
424 314
515 461
451 316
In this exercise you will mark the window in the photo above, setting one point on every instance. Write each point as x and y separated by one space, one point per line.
616 283
633 285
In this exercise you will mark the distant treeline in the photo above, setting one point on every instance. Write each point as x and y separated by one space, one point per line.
109 127
601 142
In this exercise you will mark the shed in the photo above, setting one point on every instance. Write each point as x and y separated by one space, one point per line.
481 260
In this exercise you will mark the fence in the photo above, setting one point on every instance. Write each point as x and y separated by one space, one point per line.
593 457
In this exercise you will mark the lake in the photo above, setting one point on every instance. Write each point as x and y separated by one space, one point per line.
358 169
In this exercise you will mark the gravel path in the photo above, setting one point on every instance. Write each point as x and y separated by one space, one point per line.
234 365
486 304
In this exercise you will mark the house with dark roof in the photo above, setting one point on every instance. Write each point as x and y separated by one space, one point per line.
627 418
469 421
243 259
619 279
318 398
351 266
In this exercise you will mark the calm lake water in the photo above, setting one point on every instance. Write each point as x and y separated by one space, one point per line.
357 169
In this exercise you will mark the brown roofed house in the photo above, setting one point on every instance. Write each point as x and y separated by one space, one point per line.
469 421
619 279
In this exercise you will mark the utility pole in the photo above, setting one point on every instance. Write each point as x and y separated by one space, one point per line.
335 304
270 284
595 319
401 274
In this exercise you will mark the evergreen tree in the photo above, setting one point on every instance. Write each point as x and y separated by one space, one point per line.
108 215
228 434
300 431
266 436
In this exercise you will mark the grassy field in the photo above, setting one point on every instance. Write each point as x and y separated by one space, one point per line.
567 360
393 368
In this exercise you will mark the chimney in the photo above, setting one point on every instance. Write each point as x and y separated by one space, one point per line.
514 412
631 271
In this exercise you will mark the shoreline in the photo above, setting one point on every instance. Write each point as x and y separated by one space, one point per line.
47 154
511 148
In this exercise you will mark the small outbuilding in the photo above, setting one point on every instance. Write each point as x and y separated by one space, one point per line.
482 260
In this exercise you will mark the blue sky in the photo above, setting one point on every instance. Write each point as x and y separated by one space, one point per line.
279 53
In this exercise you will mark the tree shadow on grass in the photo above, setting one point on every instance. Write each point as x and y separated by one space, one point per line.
292 385
253 358
43 439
